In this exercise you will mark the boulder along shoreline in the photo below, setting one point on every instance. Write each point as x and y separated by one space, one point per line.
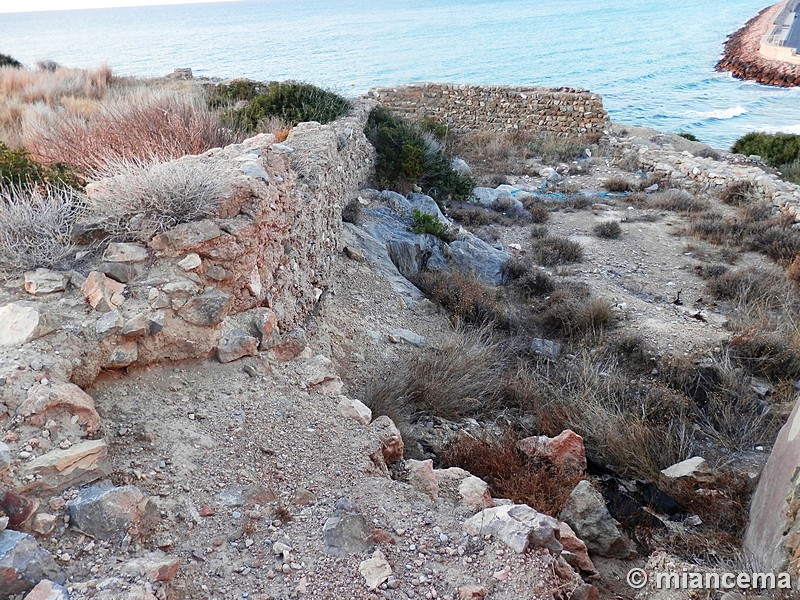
742 58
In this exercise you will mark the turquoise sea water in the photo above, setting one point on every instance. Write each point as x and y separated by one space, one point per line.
652 61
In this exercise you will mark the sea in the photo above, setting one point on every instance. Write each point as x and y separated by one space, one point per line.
651 61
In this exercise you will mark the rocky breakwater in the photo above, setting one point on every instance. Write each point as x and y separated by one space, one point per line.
239 281
743 59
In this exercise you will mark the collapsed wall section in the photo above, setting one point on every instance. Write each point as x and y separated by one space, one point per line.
468 108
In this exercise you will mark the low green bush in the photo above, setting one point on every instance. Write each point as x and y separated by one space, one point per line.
425 223
223 95
293 103
9 61
688 136
17 168
405 158
775 148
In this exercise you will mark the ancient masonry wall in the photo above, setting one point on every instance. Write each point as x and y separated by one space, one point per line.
242 280
466 108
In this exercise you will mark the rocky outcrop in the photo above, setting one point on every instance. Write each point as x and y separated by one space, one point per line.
773 534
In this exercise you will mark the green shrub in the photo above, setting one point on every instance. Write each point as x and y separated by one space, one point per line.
688 136
351 213
775 148
8 61
224 95
293 103
430 224
405 158
17 168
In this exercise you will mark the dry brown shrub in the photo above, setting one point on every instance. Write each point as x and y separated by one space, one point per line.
740 193
512 474
139 125
550 251
618 184
464 295
490 152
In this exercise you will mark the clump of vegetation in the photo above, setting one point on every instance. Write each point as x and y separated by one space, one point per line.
494 153
9 61
470 216
779 150
464 295
225 95
139 199
688 136
551 251
538 231
293 103
608 229
17 168
407 156
512 474
460 377
555 149
136 125
35 225
617 184
739 193
538 211
430 224
571 315
351 213
678 201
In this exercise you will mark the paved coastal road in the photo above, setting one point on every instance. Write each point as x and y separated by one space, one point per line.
793 39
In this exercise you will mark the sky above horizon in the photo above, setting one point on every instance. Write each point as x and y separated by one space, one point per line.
44 5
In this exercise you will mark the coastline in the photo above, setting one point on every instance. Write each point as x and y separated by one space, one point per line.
743 59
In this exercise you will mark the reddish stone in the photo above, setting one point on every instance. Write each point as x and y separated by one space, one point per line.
207 511
565 450
44 401
380 536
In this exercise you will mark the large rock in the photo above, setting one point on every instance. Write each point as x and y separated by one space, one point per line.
391 441
155 566
375 570
566 450
208 309
586 513
695 467
45 402
236 344
346 531
472 492
45 281
122 252
23 564
422 477
102 293
289 346
772 537
351 408
185 237
108 513
575 551
48 590
518 526
59 469
21 322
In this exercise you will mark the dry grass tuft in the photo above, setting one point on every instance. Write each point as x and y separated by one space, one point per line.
138 199
618 184
678 201
35 226
550 251
460 377
740 193
510 473
570 315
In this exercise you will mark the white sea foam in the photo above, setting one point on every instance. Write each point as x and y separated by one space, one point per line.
723 114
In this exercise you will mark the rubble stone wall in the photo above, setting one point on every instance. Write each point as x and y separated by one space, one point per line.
466 108
242 280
